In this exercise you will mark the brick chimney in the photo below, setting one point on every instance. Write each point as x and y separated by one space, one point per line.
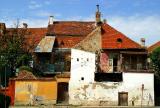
50 20
2 28
143 42
98 16
25 25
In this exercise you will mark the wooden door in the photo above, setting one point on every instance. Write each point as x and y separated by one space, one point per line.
62 93
123 98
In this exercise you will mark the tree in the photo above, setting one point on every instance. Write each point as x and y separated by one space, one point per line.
155 58
14 50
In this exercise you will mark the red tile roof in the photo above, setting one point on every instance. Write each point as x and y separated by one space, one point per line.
33 35
72 28
25 75
154 46
67 41
113 39
69 33
36 34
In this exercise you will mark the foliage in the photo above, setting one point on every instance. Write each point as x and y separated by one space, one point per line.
155 57
27 68
13 50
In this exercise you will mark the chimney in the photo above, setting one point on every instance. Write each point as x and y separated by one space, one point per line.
98 16
143 42
50 20
25 25
2 28
104 21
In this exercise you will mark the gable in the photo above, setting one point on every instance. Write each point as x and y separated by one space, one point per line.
113 39
91 42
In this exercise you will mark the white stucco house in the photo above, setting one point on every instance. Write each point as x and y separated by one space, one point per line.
130 88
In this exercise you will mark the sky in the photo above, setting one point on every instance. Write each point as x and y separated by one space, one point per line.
134 18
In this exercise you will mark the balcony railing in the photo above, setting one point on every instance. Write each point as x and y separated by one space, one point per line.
47 68
136 68
125 68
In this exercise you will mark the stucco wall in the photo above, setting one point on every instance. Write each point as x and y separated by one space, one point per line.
106 93
82 66
35 92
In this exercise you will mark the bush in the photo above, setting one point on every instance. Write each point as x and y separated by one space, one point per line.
27 68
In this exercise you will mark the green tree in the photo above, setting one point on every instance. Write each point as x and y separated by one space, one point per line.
13 49
155 58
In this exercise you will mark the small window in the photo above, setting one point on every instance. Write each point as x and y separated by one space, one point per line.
119 40
82 78
77 59
87 59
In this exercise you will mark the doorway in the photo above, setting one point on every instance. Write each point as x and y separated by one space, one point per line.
115 64
63 96
123 98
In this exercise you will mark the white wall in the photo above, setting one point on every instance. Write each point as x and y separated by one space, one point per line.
82 66
89 92
106 93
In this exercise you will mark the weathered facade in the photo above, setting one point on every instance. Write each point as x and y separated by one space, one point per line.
102 69
35 92
85 90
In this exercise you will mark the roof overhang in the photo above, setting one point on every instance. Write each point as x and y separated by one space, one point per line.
45 45
134 52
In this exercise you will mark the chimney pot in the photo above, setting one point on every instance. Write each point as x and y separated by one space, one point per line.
25 25
143 42
50 20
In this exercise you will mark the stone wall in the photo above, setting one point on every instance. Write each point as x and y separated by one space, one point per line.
92 42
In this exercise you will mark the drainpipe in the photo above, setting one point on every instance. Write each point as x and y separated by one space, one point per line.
142 95
5 87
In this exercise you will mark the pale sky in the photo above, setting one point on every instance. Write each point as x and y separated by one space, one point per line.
135 18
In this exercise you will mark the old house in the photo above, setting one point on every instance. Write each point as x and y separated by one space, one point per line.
119 62
91 63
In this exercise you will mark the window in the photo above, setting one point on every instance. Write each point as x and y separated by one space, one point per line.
82 78
77 59
119 40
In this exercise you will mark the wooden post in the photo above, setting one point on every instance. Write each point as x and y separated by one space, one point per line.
120 67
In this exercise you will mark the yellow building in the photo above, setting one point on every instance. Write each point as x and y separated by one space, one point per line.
41 90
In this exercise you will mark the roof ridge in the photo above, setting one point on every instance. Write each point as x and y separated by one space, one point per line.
73 21
154 44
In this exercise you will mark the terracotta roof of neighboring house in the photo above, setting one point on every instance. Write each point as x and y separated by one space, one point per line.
25 75
67 41
71 28
36 34
154 46
69 33
33 35
113 39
